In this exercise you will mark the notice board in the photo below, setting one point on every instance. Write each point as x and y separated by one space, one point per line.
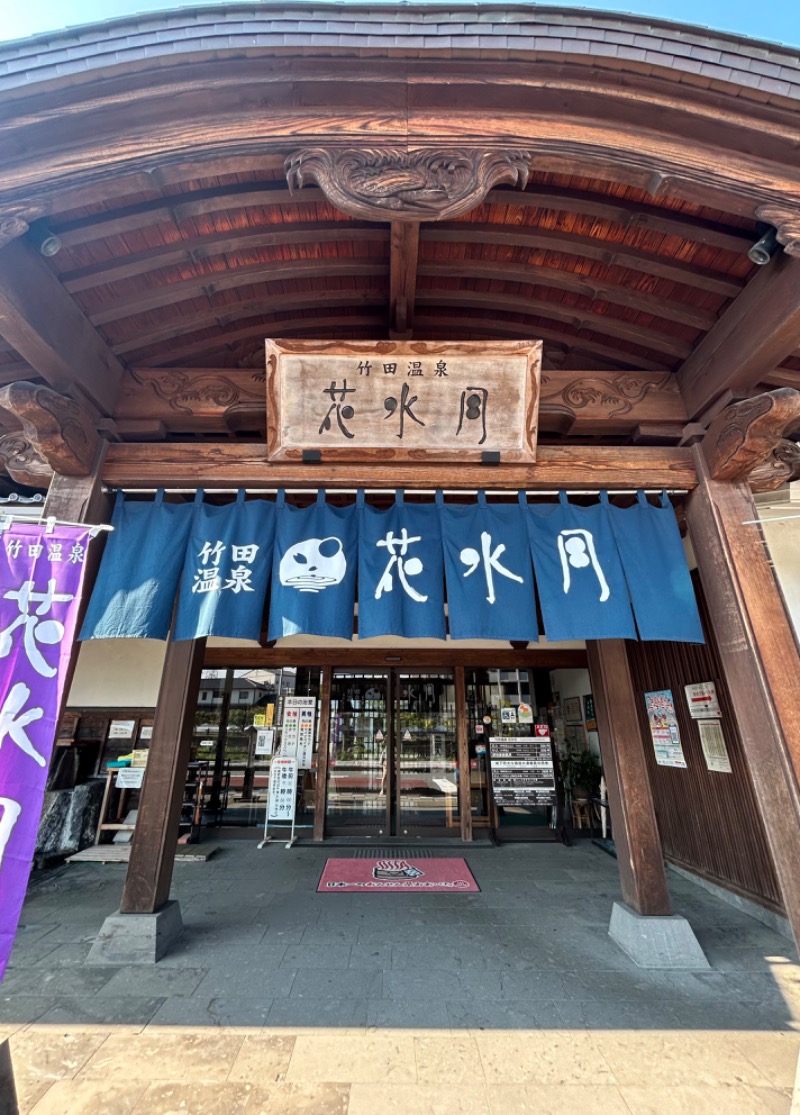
522 769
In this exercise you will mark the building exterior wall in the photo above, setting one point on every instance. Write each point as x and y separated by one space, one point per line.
708 821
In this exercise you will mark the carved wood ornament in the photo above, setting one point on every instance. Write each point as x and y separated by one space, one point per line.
780 467
743 437
57 429
389 184
787 226
23 462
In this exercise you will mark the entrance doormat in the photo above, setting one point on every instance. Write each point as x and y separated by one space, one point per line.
429 876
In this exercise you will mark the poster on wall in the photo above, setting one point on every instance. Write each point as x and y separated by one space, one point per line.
713 744
574 738
589 713
265 740
572 710
121 729
297 741
664 728
702 701
508 715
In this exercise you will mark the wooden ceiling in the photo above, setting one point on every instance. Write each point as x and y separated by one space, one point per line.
162 170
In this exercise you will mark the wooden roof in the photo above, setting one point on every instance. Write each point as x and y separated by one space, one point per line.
156 149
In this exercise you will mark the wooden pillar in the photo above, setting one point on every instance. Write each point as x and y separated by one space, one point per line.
80 499
462 743
153 850
639 855
759 658
323 747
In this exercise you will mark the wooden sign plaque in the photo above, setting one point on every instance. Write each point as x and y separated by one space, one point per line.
402 400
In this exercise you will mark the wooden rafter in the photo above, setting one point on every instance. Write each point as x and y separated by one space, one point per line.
179 206
47 329
755 334
611 253
229 313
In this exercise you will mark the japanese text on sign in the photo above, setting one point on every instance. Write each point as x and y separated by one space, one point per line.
282 789
422 398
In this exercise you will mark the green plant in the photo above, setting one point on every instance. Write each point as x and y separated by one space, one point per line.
582 771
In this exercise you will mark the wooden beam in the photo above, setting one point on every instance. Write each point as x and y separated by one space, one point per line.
403 278
609 252
150 867
50 333
654 339
494 326
237 464
192 248
640 858
554 278
759 658
627 214
753 336
324 326
281 271
355 655
216 399
229 313
233 312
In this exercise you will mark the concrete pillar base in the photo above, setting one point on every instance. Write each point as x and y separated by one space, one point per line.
656 942
137 938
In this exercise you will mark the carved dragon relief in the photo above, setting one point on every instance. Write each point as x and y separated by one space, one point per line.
390 184
744 436
23 462
59 430
616 395
181 391
787 226
780 467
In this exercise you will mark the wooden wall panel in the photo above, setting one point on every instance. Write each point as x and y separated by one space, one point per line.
708 821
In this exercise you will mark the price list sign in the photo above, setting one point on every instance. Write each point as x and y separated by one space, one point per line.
282 789
522 769
297 740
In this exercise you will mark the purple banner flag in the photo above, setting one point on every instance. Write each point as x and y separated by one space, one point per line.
41 576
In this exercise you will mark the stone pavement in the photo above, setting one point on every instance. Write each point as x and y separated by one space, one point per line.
282 1001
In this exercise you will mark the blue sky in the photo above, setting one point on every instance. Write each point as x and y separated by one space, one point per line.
774 21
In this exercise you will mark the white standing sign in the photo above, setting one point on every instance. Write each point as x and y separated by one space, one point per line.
282 796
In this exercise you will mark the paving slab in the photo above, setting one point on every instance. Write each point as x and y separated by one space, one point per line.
281 999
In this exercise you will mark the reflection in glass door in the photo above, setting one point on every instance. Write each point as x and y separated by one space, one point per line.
426 755
392 766
359 773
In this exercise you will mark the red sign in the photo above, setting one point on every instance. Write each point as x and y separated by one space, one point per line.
543 731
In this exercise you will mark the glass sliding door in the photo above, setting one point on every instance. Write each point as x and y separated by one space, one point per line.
392 768
426 755
359 753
